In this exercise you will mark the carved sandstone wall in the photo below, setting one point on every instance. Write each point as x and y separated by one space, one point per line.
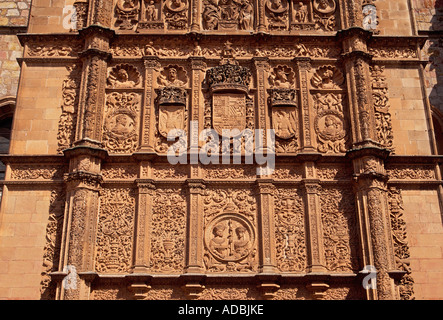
88 153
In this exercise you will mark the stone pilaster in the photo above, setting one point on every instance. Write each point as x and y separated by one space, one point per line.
148 117
261 16
306 127
262 112
83 184
195 16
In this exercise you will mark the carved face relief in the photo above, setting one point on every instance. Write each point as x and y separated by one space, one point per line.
282 77
330 126
173 76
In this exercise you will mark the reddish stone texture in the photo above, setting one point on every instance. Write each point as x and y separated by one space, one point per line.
14 13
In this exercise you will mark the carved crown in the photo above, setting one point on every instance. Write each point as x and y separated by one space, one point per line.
283 97
171 95
228 77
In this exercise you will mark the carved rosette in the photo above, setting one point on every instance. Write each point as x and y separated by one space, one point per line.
290 230
230 236
168 231
115 231
122 113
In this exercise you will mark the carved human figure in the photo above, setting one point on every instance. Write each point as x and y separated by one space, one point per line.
149 49
151 11
280 79
211 15
121 125
177 5
241 243
332 126
301 15
219 244
246 15
171 79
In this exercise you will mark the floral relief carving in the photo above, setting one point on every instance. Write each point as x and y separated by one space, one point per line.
168 231
68 118
290 230
339 229
29 172
412 172
115 230
401 245
51 251
115 171
380 97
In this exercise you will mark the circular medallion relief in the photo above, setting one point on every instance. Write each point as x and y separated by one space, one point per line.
325 6
120 124
330 126
229 238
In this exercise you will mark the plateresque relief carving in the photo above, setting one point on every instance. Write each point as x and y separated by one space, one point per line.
120 131
115 231
383 117
168 231
225 15
230 231
124 76
330 122
290 230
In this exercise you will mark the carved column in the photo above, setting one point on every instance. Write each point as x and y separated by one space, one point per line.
148 117
374 219
77 261
306 129
93 82
100 13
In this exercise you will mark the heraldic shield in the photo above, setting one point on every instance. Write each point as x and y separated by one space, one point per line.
229 112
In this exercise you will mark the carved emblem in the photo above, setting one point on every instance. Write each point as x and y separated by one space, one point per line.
121 123
229 112
325 6
172 110
284 122
176 14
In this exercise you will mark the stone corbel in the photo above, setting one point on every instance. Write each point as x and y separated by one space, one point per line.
139 285
192 285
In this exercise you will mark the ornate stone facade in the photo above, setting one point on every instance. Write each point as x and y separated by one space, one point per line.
147 197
